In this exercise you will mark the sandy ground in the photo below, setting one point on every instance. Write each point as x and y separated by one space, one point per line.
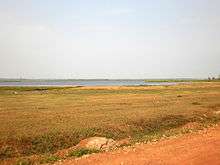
196 148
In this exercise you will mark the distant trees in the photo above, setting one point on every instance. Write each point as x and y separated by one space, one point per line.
214 78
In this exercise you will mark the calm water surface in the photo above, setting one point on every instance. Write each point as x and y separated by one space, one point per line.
84 83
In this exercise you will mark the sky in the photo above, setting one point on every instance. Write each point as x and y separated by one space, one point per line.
109 39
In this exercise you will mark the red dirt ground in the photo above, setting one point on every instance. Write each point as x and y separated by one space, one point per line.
199 148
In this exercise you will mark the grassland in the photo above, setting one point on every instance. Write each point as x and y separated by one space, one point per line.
43 120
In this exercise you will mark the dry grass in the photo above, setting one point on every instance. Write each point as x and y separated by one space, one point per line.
43 120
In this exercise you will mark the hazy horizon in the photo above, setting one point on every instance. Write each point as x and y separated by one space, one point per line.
162 78
119 39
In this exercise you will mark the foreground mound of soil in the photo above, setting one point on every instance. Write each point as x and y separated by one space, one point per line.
98 143
196 148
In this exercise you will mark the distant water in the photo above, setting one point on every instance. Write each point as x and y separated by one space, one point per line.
83 83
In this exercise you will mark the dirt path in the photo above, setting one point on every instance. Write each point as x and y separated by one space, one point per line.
196 148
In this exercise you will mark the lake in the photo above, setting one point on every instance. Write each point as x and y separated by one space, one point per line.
136 82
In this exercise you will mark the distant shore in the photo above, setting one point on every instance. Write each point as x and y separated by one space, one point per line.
96 82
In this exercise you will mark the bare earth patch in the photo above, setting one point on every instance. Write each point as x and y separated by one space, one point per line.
197 148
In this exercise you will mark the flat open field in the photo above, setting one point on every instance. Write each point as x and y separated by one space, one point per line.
39 120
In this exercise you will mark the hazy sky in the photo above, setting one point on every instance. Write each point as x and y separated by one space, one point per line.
109 39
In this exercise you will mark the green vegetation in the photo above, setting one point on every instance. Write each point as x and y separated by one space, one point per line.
49 159
82 151
43 120
24 162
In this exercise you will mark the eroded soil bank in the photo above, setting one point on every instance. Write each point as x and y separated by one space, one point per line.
196 148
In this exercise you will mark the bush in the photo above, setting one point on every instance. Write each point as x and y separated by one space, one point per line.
82 151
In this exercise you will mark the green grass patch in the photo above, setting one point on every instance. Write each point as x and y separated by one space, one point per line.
24 161
49 159
82 151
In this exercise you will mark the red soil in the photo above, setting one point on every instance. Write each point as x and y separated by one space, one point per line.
195 148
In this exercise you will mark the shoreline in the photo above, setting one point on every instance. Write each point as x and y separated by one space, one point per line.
107 86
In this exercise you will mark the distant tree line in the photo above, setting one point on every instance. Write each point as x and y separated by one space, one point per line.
213 78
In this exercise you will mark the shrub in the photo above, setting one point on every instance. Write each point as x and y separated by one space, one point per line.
50 159
82 151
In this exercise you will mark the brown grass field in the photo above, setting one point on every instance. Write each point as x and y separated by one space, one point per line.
43 120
